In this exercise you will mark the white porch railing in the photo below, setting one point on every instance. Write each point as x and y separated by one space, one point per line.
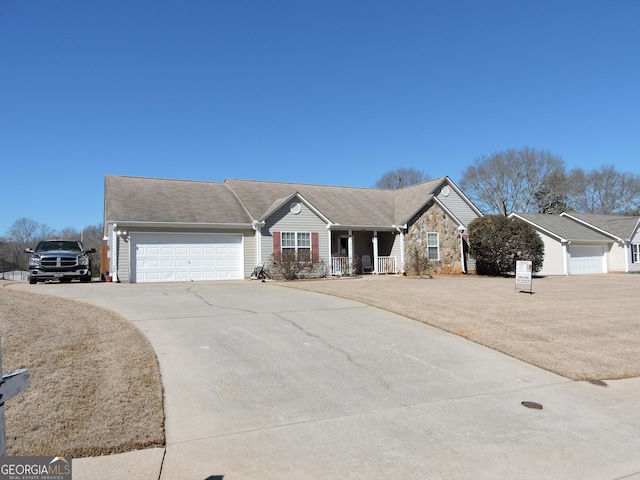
387 265
343 266
340 266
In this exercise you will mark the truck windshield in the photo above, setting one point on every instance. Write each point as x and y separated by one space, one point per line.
58 245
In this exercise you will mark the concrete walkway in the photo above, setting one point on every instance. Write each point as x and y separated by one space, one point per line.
263 382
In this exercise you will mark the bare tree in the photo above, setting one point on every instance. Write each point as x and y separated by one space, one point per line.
93 236
512 180
401 177
24 233
69 233
604 191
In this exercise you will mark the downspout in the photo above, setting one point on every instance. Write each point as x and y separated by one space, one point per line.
626 246
114 254
257 226
401 232
565 257
463 260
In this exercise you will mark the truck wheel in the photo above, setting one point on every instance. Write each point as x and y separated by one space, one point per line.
33 281
86 278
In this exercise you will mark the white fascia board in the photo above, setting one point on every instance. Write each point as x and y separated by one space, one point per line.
635 230
538 227
173 225
369 228
308 204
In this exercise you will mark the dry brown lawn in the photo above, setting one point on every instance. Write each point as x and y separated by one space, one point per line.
94 380
584 327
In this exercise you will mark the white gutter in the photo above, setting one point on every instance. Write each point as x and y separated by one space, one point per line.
257 226
463 263
114 254
199 226
400 230
565 256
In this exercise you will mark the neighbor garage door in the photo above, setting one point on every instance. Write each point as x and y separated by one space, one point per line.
587 259
175 258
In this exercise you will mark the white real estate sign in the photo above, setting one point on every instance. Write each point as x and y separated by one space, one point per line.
524 271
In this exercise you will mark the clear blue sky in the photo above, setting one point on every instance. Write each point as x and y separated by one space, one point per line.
327 91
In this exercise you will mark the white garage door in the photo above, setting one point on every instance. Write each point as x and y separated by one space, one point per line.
175 258
587 259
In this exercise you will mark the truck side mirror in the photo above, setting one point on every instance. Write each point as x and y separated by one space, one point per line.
28 250
91 250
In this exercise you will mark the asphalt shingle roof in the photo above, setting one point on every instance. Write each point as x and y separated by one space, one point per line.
621 226
349 206
136 199
564 227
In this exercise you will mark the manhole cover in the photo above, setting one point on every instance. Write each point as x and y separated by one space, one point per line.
599 383
534 405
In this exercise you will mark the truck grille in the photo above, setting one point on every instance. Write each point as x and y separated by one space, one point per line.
58 262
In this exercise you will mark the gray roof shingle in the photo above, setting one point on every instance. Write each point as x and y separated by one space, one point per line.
340 205
622 227
153 200
564 228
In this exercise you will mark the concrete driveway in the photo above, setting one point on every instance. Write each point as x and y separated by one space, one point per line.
264 382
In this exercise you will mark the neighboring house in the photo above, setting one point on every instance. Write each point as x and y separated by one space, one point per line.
177 230
584 243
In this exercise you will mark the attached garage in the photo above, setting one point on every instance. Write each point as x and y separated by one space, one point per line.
587 259
185 257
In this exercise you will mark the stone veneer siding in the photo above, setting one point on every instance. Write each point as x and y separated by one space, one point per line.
434 219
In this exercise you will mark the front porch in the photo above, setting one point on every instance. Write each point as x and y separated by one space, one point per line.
359 252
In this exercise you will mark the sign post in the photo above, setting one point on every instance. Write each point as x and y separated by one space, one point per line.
524 271
11 385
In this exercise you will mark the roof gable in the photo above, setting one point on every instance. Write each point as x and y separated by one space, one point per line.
561 227
620 227
349 206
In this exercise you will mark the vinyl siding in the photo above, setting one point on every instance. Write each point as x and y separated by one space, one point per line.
457 206
123 260
634 267
554 261
396 251
617 258
250 252
283 220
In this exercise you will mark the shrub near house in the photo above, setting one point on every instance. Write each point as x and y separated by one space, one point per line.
497 242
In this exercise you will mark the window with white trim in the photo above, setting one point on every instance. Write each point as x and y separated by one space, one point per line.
433 246
635 253
298 243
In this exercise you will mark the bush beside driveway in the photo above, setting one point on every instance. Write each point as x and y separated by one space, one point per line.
581 327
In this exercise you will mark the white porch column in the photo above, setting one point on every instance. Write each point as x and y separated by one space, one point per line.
329 265
402 250
350 244
375 251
